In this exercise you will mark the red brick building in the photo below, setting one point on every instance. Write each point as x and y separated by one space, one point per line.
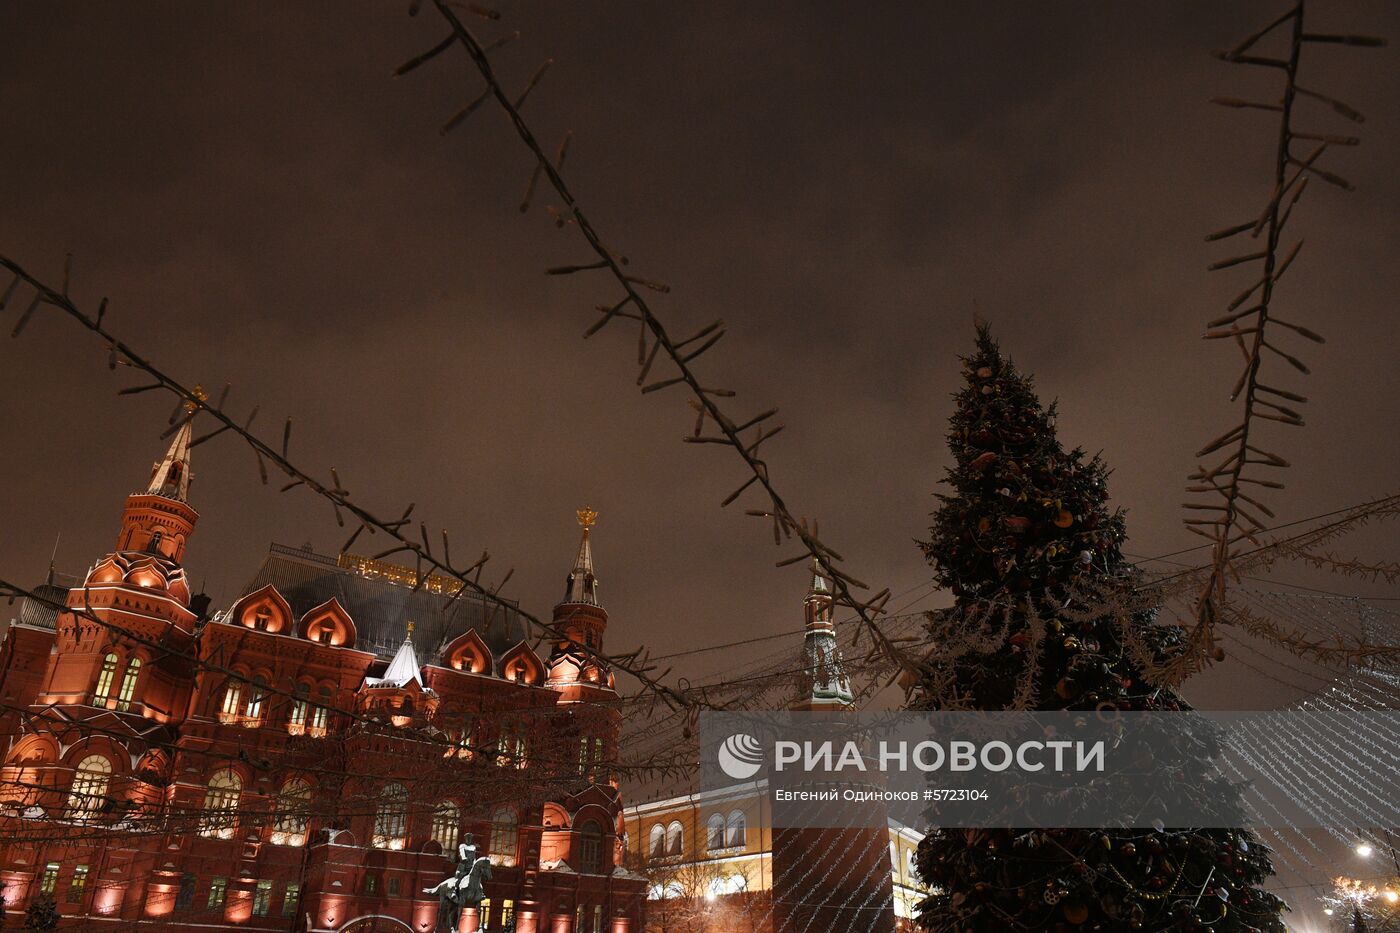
308 758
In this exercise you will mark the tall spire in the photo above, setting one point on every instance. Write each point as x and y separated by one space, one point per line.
583 583
170 477
823 682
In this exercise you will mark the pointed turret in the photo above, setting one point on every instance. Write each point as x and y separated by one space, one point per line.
582 587
403 668
823 682
170 476
580 619
159 519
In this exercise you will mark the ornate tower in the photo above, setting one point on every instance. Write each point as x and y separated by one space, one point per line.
829 880
136 659
822 680
160 519
582 620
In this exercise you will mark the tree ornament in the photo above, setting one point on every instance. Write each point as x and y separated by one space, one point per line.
1064 519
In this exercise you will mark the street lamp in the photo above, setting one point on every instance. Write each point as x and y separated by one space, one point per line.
1364 850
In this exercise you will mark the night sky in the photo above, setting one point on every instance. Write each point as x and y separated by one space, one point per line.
847 186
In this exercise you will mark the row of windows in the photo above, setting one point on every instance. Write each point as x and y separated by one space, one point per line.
305 717
720 833
106 677
219 813
184 897
48 882
218 895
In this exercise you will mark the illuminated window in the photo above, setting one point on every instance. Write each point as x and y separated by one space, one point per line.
78 884
505 835
290 899
218 889
507 913
257 702
446 819
104 678
578 917
511 750
590 755
714 832
228 709
597 918
297 724
590 848
320 712
656 841
483 914
675 839
737 829
220 816
184 898
89 790
49 881
371 884
391 818
293 805
133 671
262 898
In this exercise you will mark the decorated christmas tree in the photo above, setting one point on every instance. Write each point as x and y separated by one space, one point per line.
1028 545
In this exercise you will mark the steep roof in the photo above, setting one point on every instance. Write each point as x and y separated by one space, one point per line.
381 608
171 475
402 669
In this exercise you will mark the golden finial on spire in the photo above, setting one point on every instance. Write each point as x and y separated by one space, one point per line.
198 400
586 517
409 633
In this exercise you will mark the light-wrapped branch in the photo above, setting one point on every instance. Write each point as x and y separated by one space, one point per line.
1234 516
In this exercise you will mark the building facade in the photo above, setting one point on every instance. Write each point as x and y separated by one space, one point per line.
309 757
715 864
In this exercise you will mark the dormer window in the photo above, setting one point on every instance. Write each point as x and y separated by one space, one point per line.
261 621
326 634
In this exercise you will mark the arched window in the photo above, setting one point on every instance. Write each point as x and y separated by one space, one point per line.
257 702
89 790
105 677
738 829
321 711
133 672
675 839
296 725
220 816
293 808
228 709
590 848
505 836
446 820
656 841
714 832
391 818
